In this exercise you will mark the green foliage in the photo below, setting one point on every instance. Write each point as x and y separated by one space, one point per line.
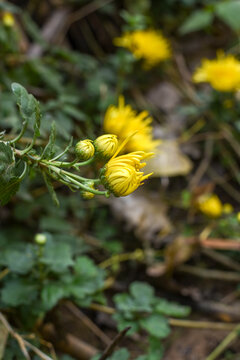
198 20
142 310
228 12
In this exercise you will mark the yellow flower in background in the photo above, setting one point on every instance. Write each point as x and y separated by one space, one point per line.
238 216
149 45
8 19
227 209
223 73
123 121
122 174
210 205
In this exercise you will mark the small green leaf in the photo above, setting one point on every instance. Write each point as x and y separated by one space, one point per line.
51 294
229 11
156 325
142 292
19 292
7 162
196 21
172 309
10 173
57 257
85 267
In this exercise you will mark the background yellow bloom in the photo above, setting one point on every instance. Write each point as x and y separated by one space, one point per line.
223 73
149 45
123 121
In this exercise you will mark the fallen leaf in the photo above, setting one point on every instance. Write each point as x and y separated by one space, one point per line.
168 161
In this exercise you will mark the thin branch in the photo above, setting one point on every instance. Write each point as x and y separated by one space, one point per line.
110 349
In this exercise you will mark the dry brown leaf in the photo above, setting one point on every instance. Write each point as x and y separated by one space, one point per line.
169 160
144 213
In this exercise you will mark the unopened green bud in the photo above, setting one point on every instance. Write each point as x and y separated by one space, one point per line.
106 145
84 149
40 239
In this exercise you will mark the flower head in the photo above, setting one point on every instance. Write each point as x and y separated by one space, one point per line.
223 73
122 174
106 145
210 205
149 45
124 122
84 149
8 19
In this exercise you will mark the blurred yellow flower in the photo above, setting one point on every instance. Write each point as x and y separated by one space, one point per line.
238 216
227 208
123 121
8 19
149 45
210 205
87 195
223 73
122 174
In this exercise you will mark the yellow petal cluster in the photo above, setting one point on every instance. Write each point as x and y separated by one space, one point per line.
122 174
149 45
222 73
123 121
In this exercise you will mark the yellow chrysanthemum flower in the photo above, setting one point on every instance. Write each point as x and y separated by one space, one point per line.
122 174
123 121
223 73
149 45
210 205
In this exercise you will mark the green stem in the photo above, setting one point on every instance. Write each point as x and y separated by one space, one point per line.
24 127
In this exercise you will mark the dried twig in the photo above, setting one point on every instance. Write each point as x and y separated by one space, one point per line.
88 322
23 344
224 344
110 349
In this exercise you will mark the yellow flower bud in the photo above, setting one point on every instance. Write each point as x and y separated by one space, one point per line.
87 195
84 149
210 205
227 208
8 19
122 174
40 239
106 145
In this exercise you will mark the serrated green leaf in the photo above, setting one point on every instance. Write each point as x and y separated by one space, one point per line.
57 257
85 267
142 292
18 292
229 11
171 309
52 293
156 325
7 162
28 106
18 261
196 21
10 173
